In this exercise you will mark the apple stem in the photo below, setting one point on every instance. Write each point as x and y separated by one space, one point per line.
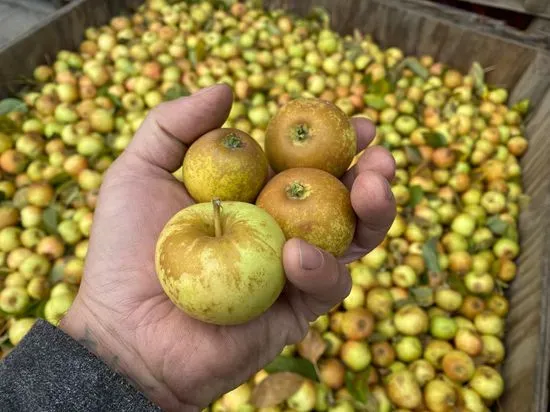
217 217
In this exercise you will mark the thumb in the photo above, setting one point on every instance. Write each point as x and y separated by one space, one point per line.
169 128
322 280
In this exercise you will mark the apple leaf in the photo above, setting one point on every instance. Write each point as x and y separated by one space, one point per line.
60 178
288 364
478 73
457 284
358 387
10 105
423 295
429 251
197 53
497 225
312 346
56 273
413 155
275 389
175 92
414 65
524 201
50 217
7 125
435 139
417 194
375 101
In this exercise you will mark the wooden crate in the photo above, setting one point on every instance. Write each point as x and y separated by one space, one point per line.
532 7
520 62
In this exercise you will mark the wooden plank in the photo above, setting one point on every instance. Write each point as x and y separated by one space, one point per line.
17 17
533 7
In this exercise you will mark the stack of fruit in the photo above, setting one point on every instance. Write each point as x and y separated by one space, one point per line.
422 328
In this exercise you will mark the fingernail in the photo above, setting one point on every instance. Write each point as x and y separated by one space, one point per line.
311 258
389 192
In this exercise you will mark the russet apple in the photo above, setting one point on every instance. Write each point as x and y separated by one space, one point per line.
221 263
227 164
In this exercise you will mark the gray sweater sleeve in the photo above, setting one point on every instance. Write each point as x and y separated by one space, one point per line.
50 371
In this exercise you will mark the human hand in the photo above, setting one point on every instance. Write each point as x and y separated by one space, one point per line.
121 312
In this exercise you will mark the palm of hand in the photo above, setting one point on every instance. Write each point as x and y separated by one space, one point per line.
176 360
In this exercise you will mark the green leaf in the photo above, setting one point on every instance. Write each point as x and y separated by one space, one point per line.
512 233
50 217
367 80
524 201
175 92
375 101
497 225
381 87
423 295
435 139
60 179
7 125
10 105
414 65
417 194
56 274
457 284
429 251
413 155
297 365
321 15
478 73
357 385
197 53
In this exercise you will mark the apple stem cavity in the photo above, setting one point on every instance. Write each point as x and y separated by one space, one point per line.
300 133
217 217
232 141
297 191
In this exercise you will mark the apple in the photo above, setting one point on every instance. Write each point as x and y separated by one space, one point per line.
311 133
227 164
312 205
221 263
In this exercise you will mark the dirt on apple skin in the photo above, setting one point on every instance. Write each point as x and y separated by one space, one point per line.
227 164
224 280
311 133
312 205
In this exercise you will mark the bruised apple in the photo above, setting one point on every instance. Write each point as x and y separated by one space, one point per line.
312 205
221 263
226 164
311 133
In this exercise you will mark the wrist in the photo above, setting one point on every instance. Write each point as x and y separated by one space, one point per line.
104 341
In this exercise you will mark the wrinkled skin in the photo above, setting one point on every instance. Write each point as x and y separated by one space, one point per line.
121 313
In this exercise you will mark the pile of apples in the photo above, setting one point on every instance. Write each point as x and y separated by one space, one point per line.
423 326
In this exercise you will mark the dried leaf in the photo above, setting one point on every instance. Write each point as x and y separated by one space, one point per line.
416 195
297 365
50 217
312 346
435 139
429 251
10 105
275 389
